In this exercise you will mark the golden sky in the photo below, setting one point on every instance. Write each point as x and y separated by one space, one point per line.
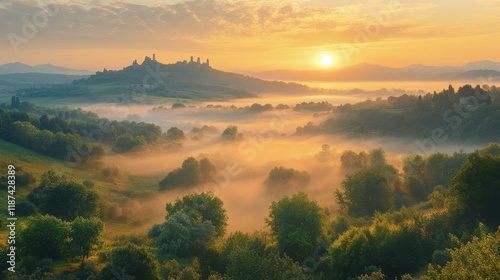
249 35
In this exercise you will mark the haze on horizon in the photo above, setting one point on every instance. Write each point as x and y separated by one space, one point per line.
250 35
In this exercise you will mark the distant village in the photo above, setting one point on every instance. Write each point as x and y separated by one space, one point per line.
191 61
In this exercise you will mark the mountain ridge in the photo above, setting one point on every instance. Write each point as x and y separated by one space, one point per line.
375 72
47 68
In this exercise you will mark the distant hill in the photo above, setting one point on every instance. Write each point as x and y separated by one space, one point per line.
157 81
479 74
18 67
36 79
372 72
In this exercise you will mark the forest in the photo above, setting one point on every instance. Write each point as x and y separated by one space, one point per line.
429 216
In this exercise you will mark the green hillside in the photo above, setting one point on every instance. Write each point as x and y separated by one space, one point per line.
157 81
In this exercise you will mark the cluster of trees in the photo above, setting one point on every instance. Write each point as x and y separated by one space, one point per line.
64 199
231 133
471 114
192 172
372 238
404 241
193 234
58 145
314 106
198 133
280 177
74 130
63 224
260 108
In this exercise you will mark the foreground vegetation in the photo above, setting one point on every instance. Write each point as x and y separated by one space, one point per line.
436 218
433 217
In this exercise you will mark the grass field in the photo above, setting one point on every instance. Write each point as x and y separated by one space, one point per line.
116 191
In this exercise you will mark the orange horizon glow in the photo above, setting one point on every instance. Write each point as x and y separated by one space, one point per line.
246 35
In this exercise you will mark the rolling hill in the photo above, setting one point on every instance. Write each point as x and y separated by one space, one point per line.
18 67
184 80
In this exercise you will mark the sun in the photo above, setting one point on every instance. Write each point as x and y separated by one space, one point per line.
326 60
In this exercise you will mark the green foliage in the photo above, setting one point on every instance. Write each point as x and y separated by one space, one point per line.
417 117
314 107
287 177
492 149
23 178
175 134
350 159
131 261
192 225
477 259
26 132
204 207
395 247
191 173
66 200
44 237
127 142
247 257
476 189
297 223
376 275
60 137
84 235
172 270
24 207
366 191
230 133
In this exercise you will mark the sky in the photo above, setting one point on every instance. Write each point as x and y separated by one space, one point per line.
249 35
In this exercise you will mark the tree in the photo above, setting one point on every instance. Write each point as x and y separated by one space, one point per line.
365 192
248 257
192 224
297 224
397 245
67 200
191 173
281 176
175 134
44 237
476 188
132 261
477 259
84 234
127 142
230 133
204 207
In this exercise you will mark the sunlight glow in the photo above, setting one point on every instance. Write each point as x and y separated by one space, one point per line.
326 60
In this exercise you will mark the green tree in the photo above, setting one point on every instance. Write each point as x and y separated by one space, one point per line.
280 177
297 224
477 259
248 257
230 133
476 188
191 173
67 200
128 142
204 207
131 261
44 237
84 235
192 225
175 134
365 192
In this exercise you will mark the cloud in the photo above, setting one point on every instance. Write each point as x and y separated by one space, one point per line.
214 25
134 25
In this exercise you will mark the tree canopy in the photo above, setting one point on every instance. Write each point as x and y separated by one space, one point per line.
297 224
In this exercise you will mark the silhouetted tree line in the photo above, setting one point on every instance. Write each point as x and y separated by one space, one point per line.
58 136
471 114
